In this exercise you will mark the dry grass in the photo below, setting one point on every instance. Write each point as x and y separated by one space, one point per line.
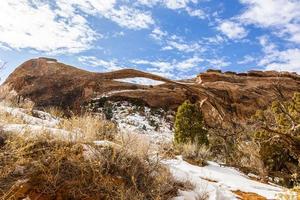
13 99
136 144
43 168
10 119
7 94
55 111
194 153
290 194
250 157
89 127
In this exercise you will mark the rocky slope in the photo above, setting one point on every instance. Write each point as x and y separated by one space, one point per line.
224 97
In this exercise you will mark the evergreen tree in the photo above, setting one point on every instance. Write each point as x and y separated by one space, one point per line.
189 125
277 129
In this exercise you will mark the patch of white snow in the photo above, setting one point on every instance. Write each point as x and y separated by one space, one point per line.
219 181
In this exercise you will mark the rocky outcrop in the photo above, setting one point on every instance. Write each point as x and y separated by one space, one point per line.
224 97
50 83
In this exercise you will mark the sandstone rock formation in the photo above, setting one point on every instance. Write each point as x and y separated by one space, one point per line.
224 97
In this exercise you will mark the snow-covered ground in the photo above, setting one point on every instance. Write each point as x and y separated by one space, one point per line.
141 120
218 182
140 81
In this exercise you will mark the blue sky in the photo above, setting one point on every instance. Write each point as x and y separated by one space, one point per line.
173 38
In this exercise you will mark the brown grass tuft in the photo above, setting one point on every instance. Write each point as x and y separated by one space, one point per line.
43 168
194 153
89 127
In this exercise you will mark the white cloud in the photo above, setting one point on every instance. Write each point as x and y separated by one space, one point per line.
246 60
183 46
218 63
174 42
96 62
166 67
61 26
171 4
162 66
196 13
177 4
130 18
283 16
35 25
232 30
215 39
189 63
158 34
124 16
280 60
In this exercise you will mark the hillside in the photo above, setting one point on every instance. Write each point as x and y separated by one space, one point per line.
224 97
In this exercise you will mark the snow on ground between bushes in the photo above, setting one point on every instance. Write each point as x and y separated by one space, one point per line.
143 120
217 181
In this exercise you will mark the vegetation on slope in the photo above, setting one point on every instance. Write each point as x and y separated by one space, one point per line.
44 167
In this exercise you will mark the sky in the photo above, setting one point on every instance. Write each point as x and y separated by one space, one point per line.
177 39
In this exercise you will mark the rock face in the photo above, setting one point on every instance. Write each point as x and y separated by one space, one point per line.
224 97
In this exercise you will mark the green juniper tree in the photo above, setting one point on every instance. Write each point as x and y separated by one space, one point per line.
277 129
189 125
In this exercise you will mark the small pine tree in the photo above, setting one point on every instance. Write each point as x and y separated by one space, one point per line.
189 125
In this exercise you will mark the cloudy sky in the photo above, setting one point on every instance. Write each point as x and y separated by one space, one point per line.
174 38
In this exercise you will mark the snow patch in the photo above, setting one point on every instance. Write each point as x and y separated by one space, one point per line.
218 181
34 130
156 125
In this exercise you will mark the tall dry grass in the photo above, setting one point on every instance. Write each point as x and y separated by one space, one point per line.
89 127
194 153
7 118
45 168
250 158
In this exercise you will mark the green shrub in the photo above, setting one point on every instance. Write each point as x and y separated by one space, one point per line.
189 125
277 130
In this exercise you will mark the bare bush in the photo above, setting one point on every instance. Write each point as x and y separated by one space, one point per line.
10 119
89 127
55 111
52 169
135 144
250 158
194 153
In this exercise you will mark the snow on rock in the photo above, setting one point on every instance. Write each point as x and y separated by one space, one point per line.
34 130
217 181
142 120
42 118
140 81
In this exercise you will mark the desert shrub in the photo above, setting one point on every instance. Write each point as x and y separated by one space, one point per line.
55 111
277 130
189 125
290 194
108 110
9 118
89 126
194 153
45 168
249 157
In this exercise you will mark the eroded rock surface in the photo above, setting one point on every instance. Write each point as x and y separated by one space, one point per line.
225 97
